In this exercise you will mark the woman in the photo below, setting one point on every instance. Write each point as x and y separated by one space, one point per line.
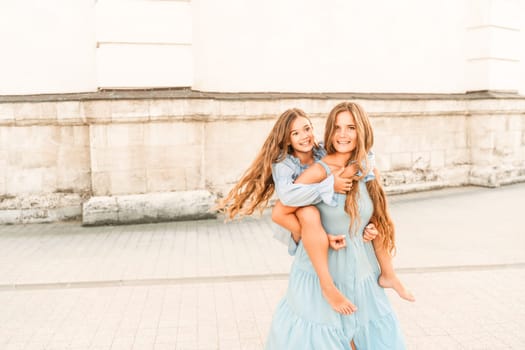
303 319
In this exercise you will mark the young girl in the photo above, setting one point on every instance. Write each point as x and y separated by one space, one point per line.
288 150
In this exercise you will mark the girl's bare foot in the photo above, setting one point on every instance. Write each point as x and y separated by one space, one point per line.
394 283
337 300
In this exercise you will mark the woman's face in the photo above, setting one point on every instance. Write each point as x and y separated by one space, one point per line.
301 135
344 138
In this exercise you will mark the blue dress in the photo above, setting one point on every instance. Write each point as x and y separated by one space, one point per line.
304 320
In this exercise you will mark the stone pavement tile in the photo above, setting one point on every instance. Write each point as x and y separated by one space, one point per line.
458 227
65 252
460 308
454 310
166 336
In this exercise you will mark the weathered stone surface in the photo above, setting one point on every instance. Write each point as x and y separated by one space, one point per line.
40 208
100 210
131 146
151 207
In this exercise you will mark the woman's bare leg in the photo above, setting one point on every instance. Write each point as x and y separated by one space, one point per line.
353 345
388 277
315 242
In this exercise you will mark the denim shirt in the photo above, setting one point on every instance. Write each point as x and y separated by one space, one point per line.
284 174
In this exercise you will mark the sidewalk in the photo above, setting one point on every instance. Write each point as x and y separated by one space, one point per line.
210 285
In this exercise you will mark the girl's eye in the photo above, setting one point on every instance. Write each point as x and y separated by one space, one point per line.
307 128
294 133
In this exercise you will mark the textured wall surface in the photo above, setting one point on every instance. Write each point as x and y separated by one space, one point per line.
56 154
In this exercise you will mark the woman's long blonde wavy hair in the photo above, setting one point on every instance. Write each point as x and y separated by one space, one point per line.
256 187
365 140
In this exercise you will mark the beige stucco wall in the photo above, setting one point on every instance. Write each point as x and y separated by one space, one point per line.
55 154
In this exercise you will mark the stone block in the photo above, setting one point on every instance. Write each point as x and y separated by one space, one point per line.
161 110
10 216
383 162
100 211
166 179
71 179
232 108
100 183
5 132
458 156
27 112
3 188
44 137
68 112
21 180
129 181
129 110
460 139
125 158
198 107
173 134
515 123
485 176
119 135
48 111
101 160
73 157
95 112
7 114
98 137
49 180
30 159
421 160
151 207
437 159
194 177
401 161
159 157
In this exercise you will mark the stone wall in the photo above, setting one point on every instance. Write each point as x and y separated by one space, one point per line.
163 155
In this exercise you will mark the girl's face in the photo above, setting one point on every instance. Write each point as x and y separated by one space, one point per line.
345 135
301 135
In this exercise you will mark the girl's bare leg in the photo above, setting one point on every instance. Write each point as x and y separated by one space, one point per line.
353 345
315 242
388 277
285 217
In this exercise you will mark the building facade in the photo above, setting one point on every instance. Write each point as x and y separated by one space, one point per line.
133 111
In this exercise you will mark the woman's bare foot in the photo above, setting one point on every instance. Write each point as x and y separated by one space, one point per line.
337 300
394 283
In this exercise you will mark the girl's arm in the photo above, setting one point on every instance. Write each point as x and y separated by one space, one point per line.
312 175
296 194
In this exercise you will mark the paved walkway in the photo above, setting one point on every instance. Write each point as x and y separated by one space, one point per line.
210 285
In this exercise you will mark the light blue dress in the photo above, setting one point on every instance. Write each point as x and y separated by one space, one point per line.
304 320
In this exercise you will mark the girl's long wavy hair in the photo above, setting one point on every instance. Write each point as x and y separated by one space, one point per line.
256 187
365 140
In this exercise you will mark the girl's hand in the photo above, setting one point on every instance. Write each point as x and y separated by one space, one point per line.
342 184
336 242
370 232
